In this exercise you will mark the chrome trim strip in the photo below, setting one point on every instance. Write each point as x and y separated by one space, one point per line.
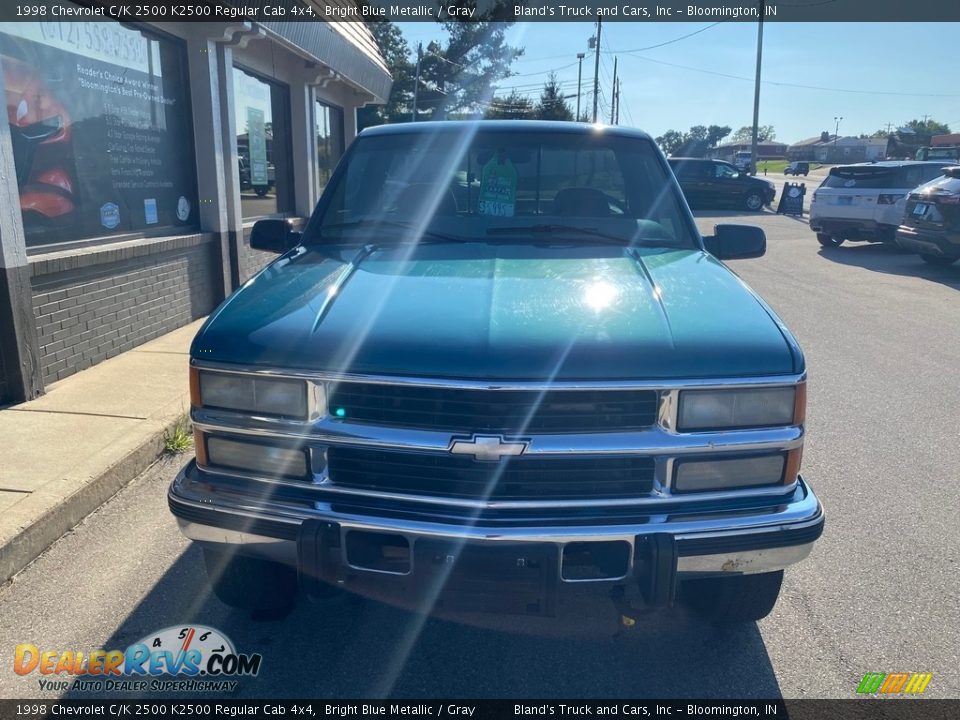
285 551
321 488
664 384
653 441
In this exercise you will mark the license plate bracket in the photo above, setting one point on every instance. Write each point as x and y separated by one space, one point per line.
515 578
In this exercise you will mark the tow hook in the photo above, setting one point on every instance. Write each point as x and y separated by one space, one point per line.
627 612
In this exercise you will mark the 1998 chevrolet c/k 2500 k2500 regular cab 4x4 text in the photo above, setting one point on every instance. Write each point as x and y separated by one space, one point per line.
499 362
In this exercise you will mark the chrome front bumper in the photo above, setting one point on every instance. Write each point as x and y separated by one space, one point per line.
712 541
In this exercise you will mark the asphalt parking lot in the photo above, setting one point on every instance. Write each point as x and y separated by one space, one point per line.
878 594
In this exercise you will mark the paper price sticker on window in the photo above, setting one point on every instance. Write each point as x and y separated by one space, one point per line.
498 187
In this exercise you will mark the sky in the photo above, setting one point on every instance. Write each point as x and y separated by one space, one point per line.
870 74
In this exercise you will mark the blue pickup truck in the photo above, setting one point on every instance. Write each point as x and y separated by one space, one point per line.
499 363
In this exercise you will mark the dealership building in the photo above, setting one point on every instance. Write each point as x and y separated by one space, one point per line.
134 159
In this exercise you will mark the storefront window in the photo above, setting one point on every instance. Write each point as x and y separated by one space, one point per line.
101 130
329 122
262 118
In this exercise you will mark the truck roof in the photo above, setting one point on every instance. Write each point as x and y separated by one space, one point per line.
510 126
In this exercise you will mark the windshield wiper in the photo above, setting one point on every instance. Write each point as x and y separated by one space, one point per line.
434 235
592 233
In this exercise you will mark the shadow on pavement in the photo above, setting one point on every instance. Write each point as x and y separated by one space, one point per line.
893 261
351 648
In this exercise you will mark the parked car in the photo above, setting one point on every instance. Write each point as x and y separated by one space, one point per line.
715 182
798 167
485 398
931 222
866 201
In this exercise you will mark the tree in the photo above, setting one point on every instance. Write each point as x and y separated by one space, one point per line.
396 54
511 107
696 142
716 133
670 141
923 130
552 105
765 133
459 75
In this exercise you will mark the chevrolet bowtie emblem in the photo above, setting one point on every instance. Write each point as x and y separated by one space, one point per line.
488 447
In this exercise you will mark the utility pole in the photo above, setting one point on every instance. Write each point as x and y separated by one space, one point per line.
756 92
596 73
580 57
617 118
613 92
416 82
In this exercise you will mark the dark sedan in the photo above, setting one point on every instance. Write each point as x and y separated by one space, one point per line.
718 183
931 221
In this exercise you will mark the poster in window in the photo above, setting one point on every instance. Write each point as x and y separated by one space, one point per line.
257 137
100 128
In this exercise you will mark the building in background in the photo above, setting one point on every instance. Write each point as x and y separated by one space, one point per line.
765 150
140 155
828 148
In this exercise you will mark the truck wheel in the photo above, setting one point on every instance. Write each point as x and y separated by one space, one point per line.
829 241
266 589
753 201
735 599
938 259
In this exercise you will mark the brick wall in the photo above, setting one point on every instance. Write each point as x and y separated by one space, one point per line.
92 307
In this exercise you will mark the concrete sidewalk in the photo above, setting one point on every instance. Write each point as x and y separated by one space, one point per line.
67 452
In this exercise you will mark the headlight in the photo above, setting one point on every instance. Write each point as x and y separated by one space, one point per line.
740 408
248 393
701 475
256 458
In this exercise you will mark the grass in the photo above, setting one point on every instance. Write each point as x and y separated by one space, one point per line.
178 438
777 166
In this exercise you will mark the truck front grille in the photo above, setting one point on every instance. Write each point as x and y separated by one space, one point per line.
517 478
496 411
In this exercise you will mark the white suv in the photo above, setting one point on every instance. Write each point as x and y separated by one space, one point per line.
866 201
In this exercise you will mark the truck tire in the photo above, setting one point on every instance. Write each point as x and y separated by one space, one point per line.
735 599
829 241
753 201
938 259
267 590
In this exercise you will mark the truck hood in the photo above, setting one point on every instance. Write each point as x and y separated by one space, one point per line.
500 311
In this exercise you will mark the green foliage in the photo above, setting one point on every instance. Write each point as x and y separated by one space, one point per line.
693 143
459 75
765 133
671 141
716 133
396 53
178 438
510 107
552 104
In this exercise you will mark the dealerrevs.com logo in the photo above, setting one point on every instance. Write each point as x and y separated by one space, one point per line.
906 683
192 657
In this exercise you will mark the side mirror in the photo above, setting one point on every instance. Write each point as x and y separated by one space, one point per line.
274 235
736 242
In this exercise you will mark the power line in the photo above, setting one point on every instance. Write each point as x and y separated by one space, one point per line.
540 72
793 85
668 42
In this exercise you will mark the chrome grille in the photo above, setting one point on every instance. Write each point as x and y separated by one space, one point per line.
516 478
495 411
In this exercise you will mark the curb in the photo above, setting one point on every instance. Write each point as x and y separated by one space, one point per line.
29 543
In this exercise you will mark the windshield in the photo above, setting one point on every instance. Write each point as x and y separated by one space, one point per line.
473 184
873 177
